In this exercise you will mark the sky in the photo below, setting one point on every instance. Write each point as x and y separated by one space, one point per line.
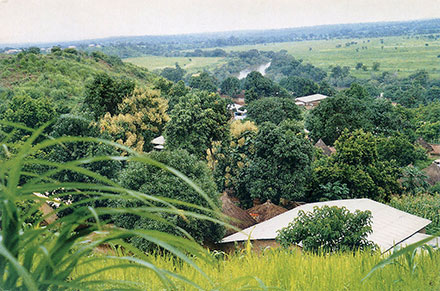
24 21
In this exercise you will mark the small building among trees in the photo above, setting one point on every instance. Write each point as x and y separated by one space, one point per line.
265 211
310 101
326 150
433 172
239 218
390 226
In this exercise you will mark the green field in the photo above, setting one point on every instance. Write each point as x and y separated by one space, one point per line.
191 65
280 270
400 55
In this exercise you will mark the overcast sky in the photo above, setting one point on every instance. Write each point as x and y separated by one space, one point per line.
60 20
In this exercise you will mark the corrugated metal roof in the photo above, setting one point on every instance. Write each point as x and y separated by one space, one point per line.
418 237
390 225
311 98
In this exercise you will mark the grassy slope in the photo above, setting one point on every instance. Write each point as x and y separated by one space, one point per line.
192 65
60 77
290 271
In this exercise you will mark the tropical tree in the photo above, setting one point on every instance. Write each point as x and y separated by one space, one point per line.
299 86
197 121
142 117
173 74
328 120
230 86
357 165
273 109
329 229
279 164
104 93
203 81
232 155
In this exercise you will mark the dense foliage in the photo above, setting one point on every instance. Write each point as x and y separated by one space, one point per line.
141 117
328 229
197 121
273 109
356 109
357 166
257 86
161 183
278 166
104 93
232 155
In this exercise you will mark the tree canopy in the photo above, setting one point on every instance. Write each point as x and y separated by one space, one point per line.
161 183
197 121
279 164
142 117
357 165
273 109
104 93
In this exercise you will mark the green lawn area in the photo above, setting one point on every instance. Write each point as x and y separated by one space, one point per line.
192 65
402 55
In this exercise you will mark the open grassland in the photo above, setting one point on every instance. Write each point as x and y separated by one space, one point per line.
286 271
400 55
191 65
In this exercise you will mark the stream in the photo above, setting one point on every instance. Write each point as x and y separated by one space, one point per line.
260 68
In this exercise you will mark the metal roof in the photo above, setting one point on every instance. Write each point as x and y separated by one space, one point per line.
311 98
160 140
418 237
390 225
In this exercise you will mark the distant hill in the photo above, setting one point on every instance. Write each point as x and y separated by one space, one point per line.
62 75
170 45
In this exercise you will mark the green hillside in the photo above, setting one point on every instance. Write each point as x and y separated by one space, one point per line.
61 75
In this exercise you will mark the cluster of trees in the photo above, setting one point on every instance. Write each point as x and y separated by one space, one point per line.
130 109
268 156
285 65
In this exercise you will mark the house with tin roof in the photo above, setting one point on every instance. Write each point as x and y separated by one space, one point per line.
390 226
310 100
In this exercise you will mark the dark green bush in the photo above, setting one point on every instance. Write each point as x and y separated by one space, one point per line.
328 229
157 182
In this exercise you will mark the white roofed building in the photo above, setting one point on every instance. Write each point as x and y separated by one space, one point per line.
310 100
390 226
158 142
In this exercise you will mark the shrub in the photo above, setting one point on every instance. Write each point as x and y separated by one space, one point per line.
413 180
328 229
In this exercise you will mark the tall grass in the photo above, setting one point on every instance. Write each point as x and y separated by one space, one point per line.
294 270
43 258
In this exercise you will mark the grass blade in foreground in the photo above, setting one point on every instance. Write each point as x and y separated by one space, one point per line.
43 258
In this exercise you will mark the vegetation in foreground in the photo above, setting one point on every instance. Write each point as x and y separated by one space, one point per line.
284 270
